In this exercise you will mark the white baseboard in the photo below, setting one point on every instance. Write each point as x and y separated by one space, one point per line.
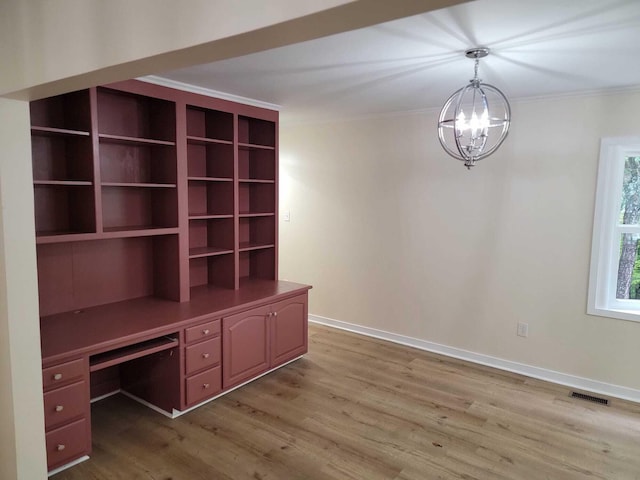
67 465
560 378
176 413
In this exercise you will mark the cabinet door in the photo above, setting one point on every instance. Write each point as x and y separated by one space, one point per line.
245 346
288 329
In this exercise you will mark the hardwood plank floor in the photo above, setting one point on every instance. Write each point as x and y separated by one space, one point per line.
364 409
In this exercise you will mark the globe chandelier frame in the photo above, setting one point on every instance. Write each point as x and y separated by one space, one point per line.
475 120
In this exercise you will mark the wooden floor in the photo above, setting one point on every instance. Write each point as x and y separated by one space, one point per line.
363 409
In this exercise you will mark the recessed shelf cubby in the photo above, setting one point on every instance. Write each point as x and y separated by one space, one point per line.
210 198
123 115
258 263
210 160
65 114
61 157
152 164
64 209
256 164
258 132
256 198
208 237
206 124
138 208
215 270
256 232
77 275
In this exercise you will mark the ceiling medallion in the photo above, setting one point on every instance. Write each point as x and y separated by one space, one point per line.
475 120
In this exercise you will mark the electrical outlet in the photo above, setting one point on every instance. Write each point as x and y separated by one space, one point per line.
523 329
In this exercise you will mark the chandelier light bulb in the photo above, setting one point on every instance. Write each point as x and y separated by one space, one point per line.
475 120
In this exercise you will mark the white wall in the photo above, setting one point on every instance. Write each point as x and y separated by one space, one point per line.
395 235
43 41
21 405
92 42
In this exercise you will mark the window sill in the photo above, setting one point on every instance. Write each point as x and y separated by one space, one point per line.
620 314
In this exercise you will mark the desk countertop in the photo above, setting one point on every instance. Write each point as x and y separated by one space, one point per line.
98 329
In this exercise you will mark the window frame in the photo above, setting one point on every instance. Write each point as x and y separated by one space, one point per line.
605 246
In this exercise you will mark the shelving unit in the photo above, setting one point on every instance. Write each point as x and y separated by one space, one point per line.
63 165
186 184
147 196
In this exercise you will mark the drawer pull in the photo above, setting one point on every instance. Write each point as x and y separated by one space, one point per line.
57 376
275 314
60 447
59 408
205 331
205 386
205 355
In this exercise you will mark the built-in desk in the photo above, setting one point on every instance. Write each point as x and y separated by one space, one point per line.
169 355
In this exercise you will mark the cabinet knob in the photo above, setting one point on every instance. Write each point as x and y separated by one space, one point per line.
205 355
57 376
205 331
275 314
59 408
60 447
205 386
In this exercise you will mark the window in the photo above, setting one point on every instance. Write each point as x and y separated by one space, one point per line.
614 283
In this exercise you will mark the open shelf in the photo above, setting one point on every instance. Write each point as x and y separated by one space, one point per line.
207 252
141 185
58 132
62 183
122 139
209 179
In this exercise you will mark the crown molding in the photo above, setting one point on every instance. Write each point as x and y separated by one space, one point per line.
166 82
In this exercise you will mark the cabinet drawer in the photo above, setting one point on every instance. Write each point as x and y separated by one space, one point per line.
205 330
203 385
202 355
63 374
64 404
67 443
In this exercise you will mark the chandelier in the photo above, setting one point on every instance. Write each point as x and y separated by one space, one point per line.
474 120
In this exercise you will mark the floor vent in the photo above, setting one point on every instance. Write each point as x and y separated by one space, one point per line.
590 398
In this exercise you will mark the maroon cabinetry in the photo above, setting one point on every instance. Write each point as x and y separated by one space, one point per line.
263 338
245 345
157 248
288 330
202 362
66 412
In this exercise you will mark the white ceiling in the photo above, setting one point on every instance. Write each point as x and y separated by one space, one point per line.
538 48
